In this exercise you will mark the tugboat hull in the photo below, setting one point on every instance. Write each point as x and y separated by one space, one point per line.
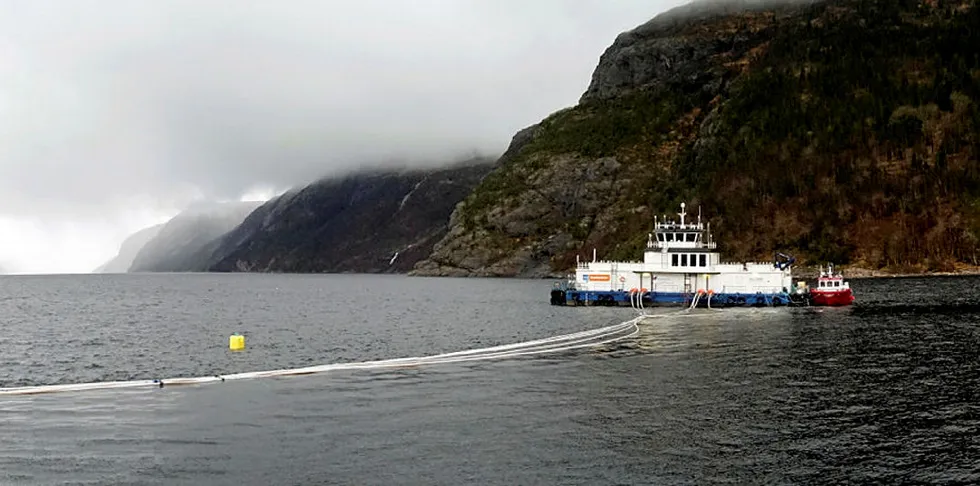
832 299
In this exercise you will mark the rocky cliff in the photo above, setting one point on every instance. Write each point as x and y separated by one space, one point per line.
369 222
841 130
128 250
177 244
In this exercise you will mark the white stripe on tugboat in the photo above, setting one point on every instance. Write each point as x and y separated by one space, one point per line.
681 267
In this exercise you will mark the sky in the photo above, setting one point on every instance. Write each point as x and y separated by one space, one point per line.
116 114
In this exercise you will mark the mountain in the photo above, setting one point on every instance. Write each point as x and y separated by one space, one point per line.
128 250
841 130
178 242
368 222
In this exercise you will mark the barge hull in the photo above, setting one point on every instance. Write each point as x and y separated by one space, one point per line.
617 298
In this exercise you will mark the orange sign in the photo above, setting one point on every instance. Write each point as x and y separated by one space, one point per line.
598 277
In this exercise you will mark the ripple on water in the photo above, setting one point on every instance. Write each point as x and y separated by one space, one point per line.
880 392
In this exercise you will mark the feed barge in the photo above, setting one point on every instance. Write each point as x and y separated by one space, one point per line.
681 267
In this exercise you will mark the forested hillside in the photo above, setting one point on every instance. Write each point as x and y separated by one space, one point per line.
842 130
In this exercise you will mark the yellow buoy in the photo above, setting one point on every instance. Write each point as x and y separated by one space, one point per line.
236 342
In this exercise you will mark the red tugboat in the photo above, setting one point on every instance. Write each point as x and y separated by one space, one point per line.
831 289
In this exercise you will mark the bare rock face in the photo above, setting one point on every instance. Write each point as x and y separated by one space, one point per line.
563 194
682 47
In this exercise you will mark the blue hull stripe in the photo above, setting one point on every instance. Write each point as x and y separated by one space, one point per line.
616 297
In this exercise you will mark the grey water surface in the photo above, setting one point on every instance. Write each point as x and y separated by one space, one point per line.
883 391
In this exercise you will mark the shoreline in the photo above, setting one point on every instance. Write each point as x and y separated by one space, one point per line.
811 273
864 273
806 272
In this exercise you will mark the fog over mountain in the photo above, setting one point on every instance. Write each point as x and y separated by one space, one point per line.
129 250
115 115
187 233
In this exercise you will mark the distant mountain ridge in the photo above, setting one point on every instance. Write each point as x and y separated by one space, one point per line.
370 222
129 249
177 241
373 221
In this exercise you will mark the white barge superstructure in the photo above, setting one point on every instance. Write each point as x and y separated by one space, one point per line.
680 266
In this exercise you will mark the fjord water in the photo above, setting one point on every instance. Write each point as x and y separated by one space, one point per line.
883 391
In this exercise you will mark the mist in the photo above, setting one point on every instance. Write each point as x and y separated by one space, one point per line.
115 115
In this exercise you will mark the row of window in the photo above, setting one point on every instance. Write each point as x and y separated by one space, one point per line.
688 260
688 237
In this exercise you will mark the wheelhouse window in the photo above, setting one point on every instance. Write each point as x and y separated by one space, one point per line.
703 260
684 260
673 260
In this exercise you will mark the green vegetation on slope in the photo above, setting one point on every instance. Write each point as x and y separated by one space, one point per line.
853 139
848 132
597 129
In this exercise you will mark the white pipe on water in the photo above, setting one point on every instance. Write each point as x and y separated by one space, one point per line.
590 338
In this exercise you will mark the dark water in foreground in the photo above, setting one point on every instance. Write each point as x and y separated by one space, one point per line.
885 391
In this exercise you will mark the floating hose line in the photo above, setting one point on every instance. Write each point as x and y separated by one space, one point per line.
695 300
555 344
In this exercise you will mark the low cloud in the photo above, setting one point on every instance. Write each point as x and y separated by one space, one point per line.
113 110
